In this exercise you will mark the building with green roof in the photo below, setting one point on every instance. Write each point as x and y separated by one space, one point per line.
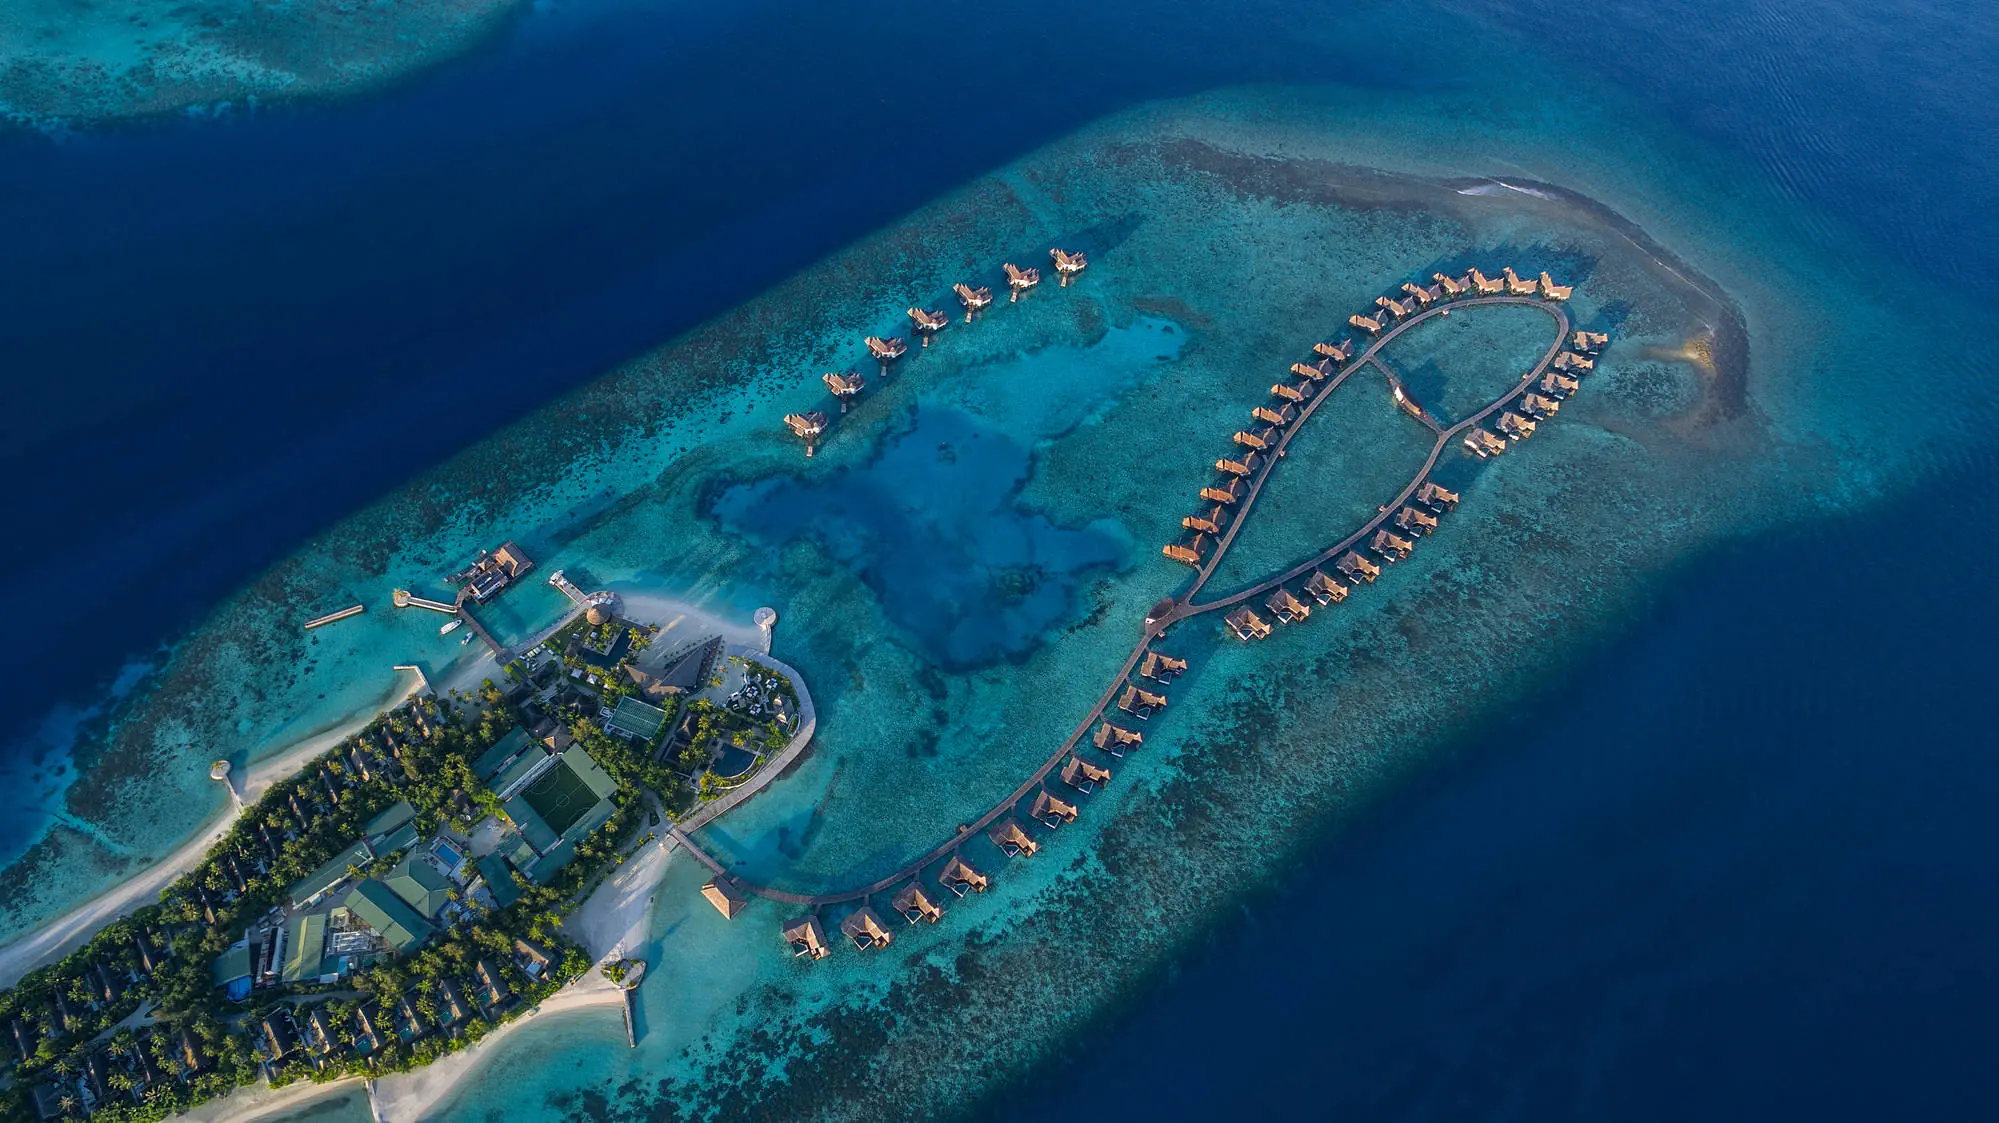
492 760
329 875
377 906
403 839
499 879
232 965
385 824
525 768
635 719
418 882
305 947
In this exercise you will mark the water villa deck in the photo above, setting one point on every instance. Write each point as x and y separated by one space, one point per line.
959 877
866 930
973 299
1020 280
1067 264
1083 776
915 905
1247 625
806 938
1050 811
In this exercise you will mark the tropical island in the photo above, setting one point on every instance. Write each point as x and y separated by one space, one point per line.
404 894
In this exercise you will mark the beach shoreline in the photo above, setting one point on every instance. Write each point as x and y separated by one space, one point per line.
50 942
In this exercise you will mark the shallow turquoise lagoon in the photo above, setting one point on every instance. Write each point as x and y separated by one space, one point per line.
1456 365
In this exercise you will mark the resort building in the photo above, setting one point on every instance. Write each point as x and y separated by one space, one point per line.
1141 704
1394 307
1209 522
1423 297
1316 372
1482 443
420 885
553 800
887 350
1452 286
806 938
1247 625
1161 668
1391 546
534 959
493 989
1052 812
927 323
280 1035
489 573
1283 415
388 916
1436 497
1338 352
1559 385
959 877
1020 280
972 298
1190 550
915 905
1245 466
328 877
807 427
845 385
1537 407
1116 739
1250 440
1012 841
1358 568
1570 361
1552 291
1324 589
1515 426
1083 776
1287 392
305 958
723 894
1287 608
1067 264
866 930
1369 325
1487 286
1517 285
1228 489
1588 342
1415 521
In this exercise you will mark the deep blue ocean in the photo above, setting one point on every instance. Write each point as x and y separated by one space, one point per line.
1740 866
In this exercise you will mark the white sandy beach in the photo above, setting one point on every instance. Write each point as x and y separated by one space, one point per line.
61 936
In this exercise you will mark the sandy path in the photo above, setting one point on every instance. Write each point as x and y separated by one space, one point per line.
59 937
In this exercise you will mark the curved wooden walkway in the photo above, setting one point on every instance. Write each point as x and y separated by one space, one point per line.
1182 607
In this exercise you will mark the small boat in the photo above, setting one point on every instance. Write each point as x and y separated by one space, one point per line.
466 640
450 626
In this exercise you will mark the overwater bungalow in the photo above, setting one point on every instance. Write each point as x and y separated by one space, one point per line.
1140 703
1569 360
866 929
1247 625
1287 608
1338 352
887 350
723 894
1283 415
1552 291
1357 568
1393 307
1436 497
1515 426
1537 407
1012 841
1389 545
807 426
972 298
1324 589
1588 342
1424 297
1208 522
1516 285
1083 776
1020 280
807 938
1415 521
1067 264
1316 372
927 323
1228 489
1115 739
1482 443
1245 466
959 877
1365 323
845 386
1559 385
1050 811
1287 392
1452 286
914 904
1487 286
1189 550
1250 440
1161 668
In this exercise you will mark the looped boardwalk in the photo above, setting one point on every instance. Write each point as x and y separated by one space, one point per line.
1183 607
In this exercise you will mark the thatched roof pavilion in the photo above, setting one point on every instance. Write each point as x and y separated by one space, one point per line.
1422 295
1115 739
1338 352
1358 568
1250 440
1415 521
1141 703
1482 442
1365 323
723 894
1020 280
972 298
915 905
1083 776
1390 545
1068 264
1452 286
1051 811
866 929
1247 625
1552 291
844 386
806 938
1286 391
1324 589
1286 607
1516 285
1161 668
927 323
1487 285
1245 466
1209 522
1189 550
887 350
1436 496
1012 841
1394 307
1569 360
1588 341
807 425
1226 490
1317 372
959 877
1559 385
1284 414
1537 407
1515 426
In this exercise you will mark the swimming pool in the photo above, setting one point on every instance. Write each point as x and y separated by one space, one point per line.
447 854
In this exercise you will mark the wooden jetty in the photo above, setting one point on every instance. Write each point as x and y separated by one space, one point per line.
1020 280
322 621
1067 265
403 598
974 299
